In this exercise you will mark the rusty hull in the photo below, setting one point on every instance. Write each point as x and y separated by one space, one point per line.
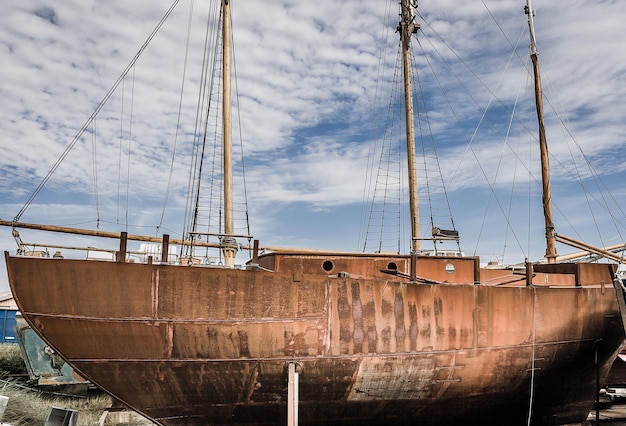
189 345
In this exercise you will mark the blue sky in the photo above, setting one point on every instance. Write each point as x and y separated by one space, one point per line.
307 77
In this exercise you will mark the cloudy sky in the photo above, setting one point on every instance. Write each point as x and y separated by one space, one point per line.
310 78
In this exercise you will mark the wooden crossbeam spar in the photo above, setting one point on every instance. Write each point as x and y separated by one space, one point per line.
221 234
584 253
102 234
134 237
59 246
587 247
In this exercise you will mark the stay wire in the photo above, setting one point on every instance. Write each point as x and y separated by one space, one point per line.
243 168
377 102
130 142
119 155
94 148
493 98
178 118
200 129
101 104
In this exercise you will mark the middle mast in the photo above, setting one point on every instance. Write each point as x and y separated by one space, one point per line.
406 28
228 243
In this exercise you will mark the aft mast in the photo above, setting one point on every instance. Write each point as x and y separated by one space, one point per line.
229 244
545 162
406 28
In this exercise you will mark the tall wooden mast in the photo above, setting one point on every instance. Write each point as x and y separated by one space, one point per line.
406 28
229 244
545 162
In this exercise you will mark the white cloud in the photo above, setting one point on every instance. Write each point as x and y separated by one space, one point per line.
307 76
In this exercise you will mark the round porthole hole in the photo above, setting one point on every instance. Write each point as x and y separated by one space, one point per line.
328 265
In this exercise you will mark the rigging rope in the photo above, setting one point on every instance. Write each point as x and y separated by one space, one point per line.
469 147
203 107
488 172
243 168
390 181
573 171
95 170
101 104
119 159
130 141
204 207
599 183
178 117
431 191
383 179
380 73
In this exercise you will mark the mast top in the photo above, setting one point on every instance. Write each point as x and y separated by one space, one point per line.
528 10
407 25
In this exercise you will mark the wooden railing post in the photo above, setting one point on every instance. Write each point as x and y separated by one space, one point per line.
121 255
529 273
255 252
165 248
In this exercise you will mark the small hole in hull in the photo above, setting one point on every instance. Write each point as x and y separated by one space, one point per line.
328 266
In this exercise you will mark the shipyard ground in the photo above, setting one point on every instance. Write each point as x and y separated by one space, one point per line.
611 413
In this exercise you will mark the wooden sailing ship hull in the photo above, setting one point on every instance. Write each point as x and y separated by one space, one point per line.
198 345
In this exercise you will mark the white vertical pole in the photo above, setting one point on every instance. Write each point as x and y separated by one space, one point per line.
4 400
292 396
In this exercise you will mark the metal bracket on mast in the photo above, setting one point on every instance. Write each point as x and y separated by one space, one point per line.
229 250
528 10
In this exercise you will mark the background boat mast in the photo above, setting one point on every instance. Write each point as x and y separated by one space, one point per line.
229 244
406 28
545 162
